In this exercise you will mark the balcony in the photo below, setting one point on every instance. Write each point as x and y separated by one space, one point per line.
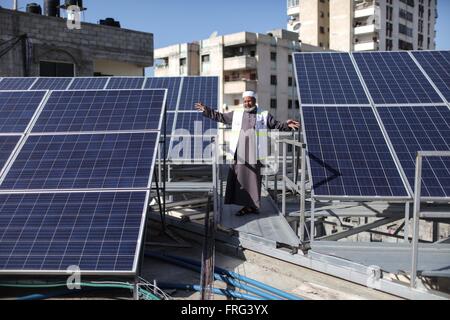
240 86
366 46
239 63
365 29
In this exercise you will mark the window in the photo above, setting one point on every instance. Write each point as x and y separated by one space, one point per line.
322 30
290 81
273 80
290 59
183 62
56 69
297 104
289 104
205 58
273 56
273 103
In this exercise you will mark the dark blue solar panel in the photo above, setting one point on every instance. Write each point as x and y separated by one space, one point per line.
74 111
7 145
51 232
169 125
52 84
394 78
126 83
328 78
194 123
170 83
95 83
17 109
348 153
16 83
413 129
199 89
83 161
437 65
188 148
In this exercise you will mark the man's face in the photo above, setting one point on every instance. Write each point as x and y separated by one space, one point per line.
249 102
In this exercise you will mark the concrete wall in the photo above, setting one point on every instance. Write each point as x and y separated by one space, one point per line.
53 41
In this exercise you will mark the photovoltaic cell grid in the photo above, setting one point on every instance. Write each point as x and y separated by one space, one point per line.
95 83
421 128
7 145
172 84
328 78
437 65
126 83
52 84
394 78
17 109
75 111
51 232
194 123
348 153
199 89
188 148
83 161
16 83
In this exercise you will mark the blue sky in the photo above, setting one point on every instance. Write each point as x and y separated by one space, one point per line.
178 21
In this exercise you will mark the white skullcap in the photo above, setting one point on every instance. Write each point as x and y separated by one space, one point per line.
249 94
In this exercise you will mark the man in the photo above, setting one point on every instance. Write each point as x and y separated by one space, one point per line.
244 178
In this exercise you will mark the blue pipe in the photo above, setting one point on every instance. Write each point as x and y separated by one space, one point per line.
242 278
223 292
217 276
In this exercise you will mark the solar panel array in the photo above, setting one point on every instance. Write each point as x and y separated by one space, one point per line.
75 170
76 190
370 151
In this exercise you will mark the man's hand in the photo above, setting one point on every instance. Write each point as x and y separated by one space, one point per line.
200 107
293 124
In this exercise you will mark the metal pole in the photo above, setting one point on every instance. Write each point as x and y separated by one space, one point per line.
15 6
283 201
313 216
406 228
416 220
302 194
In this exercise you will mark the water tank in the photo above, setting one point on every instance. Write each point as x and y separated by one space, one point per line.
51 8
110 22
34 8
78 3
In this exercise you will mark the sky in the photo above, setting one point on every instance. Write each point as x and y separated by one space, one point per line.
181 21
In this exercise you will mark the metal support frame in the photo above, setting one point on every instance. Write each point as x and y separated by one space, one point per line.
417 201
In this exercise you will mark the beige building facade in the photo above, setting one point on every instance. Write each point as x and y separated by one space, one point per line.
244 61
365 25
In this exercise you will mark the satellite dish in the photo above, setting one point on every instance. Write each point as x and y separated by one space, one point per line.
214 34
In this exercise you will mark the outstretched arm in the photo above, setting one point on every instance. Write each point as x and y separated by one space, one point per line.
226 118
282 126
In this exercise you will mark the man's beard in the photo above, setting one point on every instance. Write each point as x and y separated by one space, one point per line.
249 110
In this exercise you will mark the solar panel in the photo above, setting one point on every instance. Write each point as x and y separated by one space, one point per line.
98 232
7 145
52 84
189 148
170 121
74 111
394 78
348 153
437 65
194 123
83 161
328 78
199 89
172 84
94 83
421 128
16 83
17 109
125 83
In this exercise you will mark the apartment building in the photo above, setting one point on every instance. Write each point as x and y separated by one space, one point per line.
365 25
243 61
